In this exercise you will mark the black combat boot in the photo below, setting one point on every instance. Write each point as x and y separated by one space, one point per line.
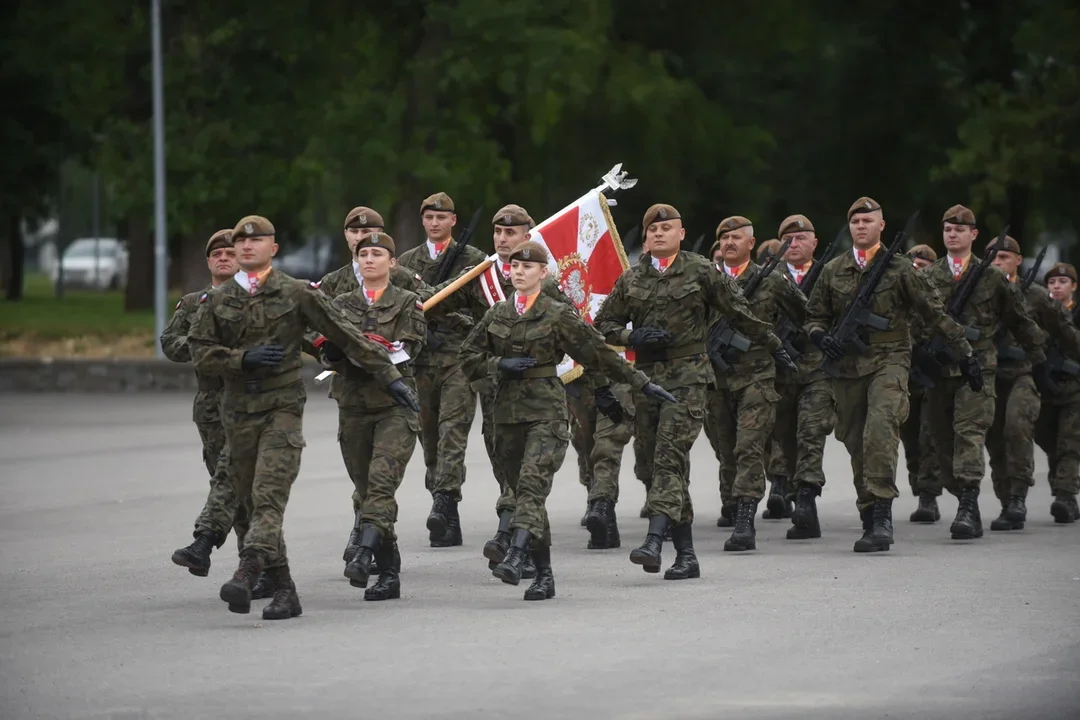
927 512
1063 508
509 570
744 536
644 514
968 522
354 538
543 587
495 548
804 517
686 564
196 556
264 586
881 528
597 521
359 568
237 592
585 517
727 514
866 543
1013 515
614 540
286 603
528 567
648 555
388 586
777 507
444 524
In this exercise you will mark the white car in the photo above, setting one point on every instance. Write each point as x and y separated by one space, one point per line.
95 263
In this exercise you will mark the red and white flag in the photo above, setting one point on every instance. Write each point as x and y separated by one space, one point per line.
587 257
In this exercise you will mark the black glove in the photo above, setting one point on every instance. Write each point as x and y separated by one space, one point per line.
262 356
433 340
607 403
827 344
969 368
784 360
332 352
646 338
1044 380
658 393
402 395
513 367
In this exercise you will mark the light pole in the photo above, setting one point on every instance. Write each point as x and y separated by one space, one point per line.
160 250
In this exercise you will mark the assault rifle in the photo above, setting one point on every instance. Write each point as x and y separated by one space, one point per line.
723 336
786 329
848 331
1012 352
934 353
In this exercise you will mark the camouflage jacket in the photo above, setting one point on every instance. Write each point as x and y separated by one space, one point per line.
776 297
810 358
397 316
446 330
995 302
1055 323
174 343
547 331
231 321
901 295
684 301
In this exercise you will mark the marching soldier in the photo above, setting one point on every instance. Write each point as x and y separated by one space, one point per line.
614 430
668 297
448 403
921 459
804 416
1057 431
219 514
961 409
359 223
742 406
249 332
377 436
520 341
1010 440
871 391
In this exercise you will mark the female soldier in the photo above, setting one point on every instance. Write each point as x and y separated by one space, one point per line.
377 437
519 343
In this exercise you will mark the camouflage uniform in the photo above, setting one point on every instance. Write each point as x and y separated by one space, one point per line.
610 439
959 416
221 511
531 415
448 404
1057 430
920 455
742 405
871 392
262 408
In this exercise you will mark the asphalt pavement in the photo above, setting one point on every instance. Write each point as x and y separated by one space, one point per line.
96 622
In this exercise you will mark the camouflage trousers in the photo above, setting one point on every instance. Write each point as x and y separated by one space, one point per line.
579 398
221 512
738 424
506 499
263 461
920 455
869 412
1057 432
531 453
804 419
665 432
447 409
959 420
1010 441
610 440
376 445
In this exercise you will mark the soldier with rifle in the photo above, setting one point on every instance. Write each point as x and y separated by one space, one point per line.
1010 441
859 316
741 406
1057 431
961 404
448 404
804 415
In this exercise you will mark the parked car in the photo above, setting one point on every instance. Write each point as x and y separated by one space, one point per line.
94 263
310 261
